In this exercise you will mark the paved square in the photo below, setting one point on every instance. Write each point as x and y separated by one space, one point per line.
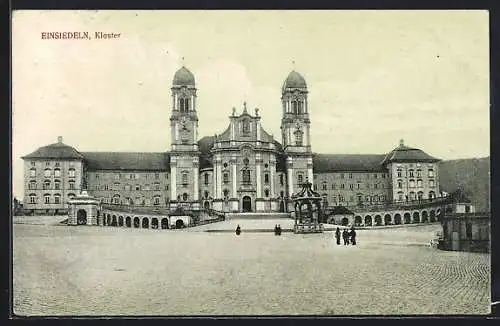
60 270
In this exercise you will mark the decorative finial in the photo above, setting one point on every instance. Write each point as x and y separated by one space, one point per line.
256 112
293 64
183 61
245 107
401 142
59 139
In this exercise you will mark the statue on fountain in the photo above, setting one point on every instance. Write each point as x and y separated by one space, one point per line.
307 209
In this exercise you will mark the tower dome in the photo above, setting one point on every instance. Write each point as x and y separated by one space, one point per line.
295 80
183 77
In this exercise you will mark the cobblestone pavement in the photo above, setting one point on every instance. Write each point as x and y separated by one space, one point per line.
61 270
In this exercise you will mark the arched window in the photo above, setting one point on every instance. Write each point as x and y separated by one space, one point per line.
400 196
419 183
412 195
206 178
47 172
71 184
400 184
57 184
32 185
432 195
419 173
116 199
205 194
411 172
185 196
298 137
266 193
157 186
184 104
57 199
431 173
225 178
71 173
32 198
300 107
295 107
246 176
431 183
32 172
412 183
266 177
46 198
399 172
46 184
156 200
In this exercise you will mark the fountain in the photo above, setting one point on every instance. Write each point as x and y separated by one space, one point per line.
307 210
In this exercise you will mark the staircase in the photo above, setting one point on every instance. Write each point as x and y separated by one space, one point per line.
256 216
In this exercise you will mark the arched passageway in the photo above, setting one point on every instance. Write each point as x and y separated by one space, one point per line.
387 219
246 204
378 220
120 221
154 223
433 216
345 221
164 223
206 205
416 217
145 223
113 221
108 220
368 220
407 218
137 222
425 217
81 217
179 224
397 219
358 220
128 221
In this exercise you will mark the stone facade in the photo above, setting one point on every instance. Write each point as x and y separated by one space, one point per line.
241 169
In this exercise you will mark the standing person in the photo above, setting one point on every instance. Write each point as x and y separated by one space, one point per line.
276 229
279 229
353 236
345 236
337 235
238 230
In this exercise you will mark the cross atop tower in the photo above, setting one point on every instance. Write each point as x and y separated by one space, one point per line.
245 107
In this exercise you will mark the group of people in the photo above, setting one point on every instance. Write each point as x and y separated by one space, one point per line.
349 236
277 229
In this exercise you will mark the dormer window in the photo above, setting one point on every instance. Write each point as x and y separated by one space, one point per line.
246 126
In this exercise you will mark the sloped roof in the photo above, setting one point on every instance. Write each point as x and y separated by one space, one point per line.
341 210
306 192
323 163
55 151
403 153
204 146
139 161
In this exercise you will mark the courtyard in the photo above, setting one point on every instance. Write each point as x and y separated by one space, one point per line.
89 270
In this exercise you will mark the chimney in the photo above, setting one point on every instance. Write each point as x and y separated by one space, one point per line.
59 139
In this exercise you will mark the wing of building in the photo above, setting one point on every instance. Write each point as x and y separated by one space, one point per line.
243 168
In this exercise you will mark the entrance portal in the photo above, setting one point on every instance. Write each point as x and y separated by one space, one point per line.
179 224
282 206
81 217
247 204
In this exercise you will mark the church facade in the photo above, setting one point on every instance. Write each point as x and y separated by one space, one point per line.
241 169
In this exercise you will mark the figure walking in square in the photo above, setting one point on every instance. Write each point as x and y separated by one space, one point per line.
337 235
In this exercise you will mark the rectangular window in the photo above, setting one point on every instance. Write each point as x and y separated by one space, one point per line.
47 200
157 186
71 173
266 178
351 186
300 179
281 180
57 164
57 185
47 173
184 178
32 199
47 163
359 185
334 186
157 201
342 186
57 200
32 163
324 186
72 185
157 177
32 173
246 176
431 173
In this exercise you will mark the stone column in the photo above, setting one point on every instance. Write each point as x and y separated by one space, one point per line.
219 176
192 103
195 179
290 176
272 173
175 101
258 162
310 170
214 190
173 179
233 162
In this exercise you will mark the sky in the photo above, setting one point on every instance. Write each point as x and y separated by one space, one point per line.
374 77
